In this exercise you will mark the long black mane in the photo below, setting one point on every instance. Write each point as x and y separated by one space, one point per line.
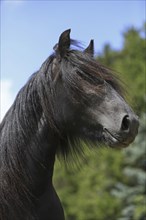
32 119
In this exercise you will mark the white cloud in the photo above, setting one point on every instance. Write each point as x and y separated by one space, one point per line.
6 97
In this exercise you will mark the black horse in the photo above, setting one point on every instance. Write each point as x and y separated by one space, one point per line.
71 98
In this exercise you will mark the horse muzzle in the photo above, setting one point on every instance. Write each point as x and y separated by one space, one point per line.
126 134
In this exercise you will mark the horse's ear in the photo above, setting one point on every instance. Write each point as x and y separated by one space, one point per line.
63 44
90 48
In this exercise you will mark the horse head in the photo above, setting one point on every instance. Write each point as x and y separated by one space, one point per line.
89 103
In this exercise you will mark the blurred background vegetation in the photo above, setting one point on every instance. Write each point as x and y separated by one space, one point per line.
110 184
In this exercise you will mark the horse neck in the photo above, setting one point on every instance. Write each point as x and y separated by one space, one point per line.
41 166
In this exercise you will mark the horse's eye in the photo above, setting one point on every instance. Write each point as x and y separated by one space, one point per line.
98 80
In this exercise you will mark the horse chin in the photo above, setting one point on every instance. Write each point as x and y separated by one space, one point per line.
113 141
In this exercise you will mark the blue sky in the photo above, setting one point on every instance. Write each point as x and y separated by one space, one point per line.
29 30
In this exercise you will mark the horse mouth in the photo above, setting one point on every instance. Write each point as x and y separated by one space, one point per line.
112 140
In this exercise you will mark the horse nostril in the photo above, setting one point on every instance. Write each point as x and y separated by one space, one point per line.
125 123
